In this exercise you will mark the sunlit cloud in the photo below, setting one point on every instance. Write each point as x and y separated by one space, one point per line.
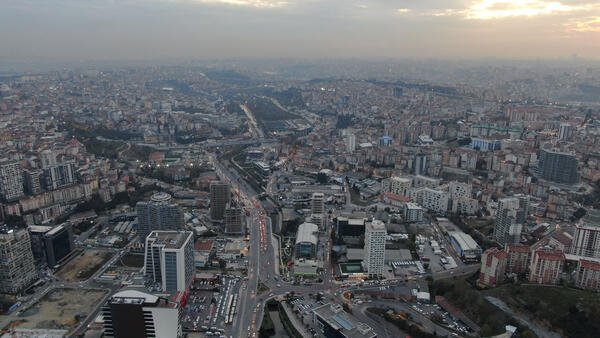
498 9
248 3
403 10
588 25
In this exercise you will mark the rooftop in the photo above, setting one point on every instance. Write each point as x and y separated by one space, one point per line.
161 197
376 225
307 233
551 255
170 239
343 322
132 296
203 245
465 241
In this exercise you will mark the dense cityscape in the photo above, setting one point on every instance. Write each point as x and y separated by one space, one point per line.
299 168
219 200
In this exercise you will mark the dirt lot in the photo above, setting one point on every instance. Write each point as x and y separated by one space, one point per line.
83 266
61 309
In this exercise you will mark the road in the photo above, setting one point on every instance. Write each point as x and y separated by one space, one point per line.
262 262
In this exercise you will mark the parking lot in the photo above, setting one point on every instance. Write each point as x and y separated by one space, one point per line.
441 316
303 306
211 306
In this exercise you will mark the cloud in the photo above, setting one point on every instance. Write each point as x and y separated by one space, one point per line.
247 3
587 25
403 10
498 9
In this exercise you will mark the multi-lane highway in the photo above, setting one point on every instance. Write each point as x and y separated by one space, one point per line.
262 261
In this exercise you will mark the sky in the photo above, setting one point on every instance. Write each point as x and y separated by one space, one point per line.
81 30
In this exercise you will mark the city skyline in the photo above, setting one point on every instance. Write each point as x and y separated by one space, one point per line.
67 30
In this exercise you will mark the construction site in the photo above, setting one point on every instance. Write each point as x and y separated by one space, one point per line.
59 309
84 265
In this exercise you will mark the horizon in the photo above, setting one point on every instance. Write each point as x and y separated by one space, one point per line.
103 30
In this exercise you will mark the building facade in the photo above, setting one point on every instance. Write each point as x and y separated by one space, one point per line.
11 181
517 259
220 197
493 267
559 167
546 266
17 265
374 260
586 239
160 213
169 259
587 275
136 314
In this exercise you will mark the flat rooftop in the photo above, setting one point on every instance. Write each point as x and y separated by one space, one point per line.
170 239
343 322
132 296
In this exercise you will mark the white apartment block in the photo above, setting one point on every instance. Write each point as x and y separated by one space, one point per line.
413 213
374 260
465 205
11 181
169 259
433 200
459 190
397 185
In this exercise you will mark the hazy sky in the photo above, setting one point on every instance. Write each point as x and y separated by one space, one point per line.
57 30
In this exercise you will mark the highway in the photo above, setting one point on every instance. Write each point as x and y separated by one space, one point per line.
261 270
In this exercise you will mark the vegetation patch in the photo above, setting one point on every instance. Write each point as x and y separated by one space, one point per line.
574 313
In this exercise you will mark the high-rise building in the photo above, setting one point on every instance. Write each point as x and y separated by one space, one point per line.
518 258
169 259
11 181
510 216
546 266
134 314
350 142
565 131
33 181
523 210
586 239
59 175
587 275
349 230
420 164
559 167
433 200
317 209
17 266
220 196
48 158
317 203
413 213
493 266
234 220
160 213
374 260
51 244
397 185
459 190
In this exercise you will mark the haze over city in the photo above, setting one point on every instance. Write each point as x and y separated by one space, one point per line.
73 30
299 168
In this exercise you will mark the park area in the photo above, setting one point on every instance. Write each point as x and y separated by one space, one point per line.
84 265
60 309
